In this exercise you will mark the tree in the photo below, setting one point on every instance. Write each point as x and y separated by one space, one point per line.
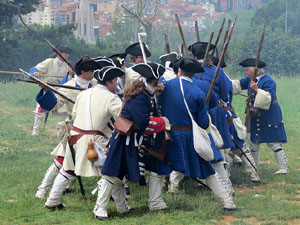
11 8
146 22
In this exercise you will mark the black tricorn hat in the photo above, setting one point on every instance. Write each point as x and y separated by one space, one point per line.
103 62
63 48
118 59
135 50
199 48
85 63
108 73
150 71
250 62
216 61
176 65
190 65
169 59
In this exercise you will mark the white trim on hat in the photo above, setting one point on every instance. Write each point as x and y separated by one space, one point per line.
108 68
149 67
109 60
169 54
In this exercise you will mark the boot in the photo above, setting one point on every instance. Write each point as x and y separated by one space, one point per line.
119 196
48 179
175 179
248 167
215 184
255 153
60 183
156 201
38 122
281 162
105 185
69 187
220 169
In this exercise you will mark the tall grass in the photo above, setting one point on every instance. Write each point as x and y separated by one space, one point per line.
24 161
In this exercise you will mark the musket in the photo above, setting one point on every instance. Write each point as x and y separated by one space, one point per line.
224 49
82 191
243 95
181 34
42 83
180 50
54 85
59 53
197 31
142 46
168 48
20 73
243 153
206 53
207 49
218 37
247 110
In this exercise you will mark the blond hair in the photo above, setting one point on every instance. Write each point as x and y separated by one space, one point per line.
260 71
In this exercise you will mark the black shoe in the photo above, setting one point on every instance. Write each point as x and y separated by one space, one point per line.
127 189
67 191
226 210
100 217
58 207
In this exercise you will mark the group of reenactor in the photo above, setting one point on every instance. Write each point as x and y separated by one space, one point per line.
132 120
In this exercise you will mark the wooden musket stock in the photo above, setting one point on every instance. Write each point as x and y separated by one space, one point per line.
247 110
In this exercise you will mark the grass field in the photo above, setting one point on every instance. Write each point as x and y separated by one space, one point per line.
24 160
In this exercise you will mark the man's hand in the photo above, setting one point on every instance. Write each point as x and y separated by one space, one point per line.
253 86
44 87
36 74
71 72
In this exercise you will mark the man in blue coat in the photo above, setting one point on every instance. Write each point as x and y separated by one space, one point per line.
266 123
181 153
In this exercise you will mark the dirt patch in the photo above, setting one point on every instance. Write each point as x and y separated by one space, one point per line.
24 128
265 161
227 220
248 188
6 111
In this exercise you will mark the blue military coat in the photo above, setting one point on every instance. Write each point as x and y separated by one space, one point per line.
268 127
221 91
124 158
181 153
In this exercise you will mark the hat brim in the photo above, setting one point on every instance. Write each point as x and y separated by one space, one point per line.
108 73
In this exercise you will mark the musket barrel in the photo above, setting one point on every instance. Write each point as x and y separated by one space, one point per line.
20 73
59 53
48 86
218 37
168 48
197 31
225 46
253 78
54 85
182 37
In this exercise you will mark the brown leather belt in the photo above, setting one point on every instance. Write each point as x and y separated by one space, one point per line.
182 127
226 108
73 139
275 101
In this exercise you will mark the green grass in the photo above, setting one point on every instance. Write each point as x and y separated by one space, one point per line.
24 161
